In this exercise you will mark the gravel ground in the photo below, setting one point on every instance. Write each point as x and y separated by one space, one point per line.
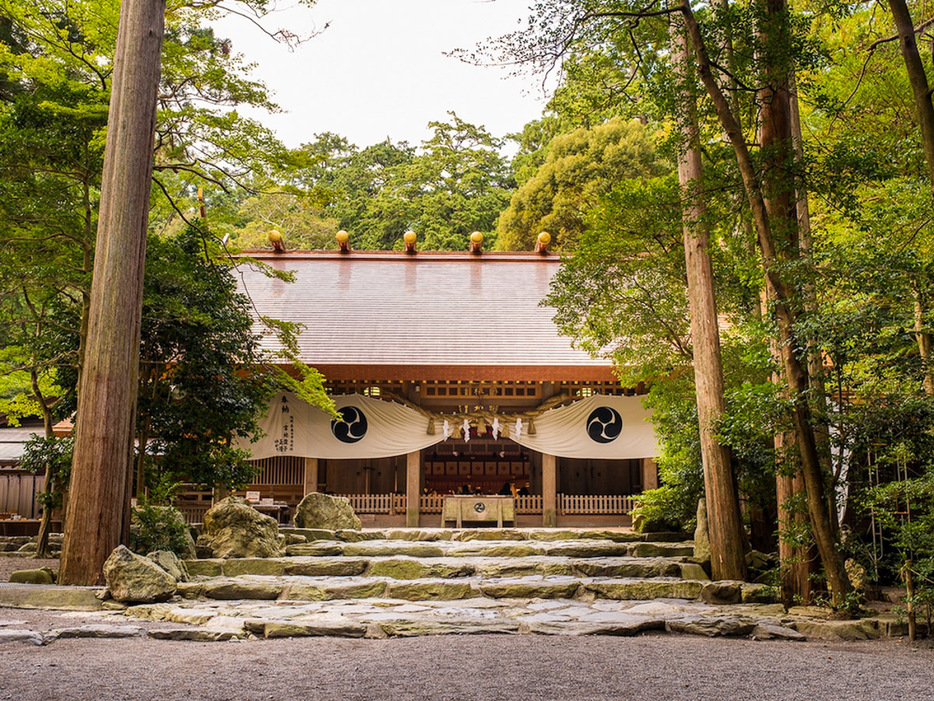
457 667
479 667
9 565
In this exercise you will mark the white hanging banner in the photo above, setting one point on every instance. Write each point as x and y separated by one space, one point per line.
600 427
370 429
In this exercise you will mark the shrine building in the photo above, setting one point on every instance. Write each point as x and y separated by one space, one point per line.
451 378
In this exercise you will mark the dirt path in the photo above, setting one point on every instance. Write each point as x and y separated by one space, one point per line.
462 667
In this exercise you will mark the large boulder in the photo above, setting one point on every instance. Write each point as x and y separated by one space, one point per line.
169 561
318 510
133 578
233 528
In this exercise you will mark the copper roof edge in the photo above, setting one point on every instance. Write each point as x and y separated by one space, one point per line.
514 256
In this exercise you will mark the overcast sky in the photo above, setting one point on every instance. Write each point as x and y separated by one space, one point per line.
378 70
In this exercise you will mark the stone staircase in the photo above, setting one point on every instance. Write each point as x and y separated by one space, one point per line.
446 565
398 583
377 584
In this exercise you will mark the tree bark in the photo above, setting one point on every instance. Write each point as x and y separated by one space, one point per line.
98 503
45 524
727 556
779 294
917 77
921 92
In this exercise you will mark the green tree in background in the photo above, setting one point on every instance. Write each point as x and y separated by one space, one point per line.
578 168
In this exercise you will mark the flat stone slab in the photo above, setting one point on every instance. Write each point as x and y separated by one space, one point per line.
642 589
837 630
711 626
336 627
97 630
17 635
198 635
36 596
531 588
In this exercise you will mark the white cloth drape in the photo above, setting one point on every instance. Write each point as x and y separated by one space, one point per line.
371 429
598 427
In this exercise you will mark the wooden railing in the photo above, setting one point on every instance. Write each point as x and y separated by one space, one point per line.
193 513
529 504
594 504
279 470
376 503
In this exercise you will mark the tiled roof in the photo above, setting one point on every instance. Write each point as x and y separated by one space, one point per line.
390 310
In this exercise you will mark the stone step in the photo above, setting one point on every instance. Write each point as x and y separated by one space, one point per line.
491 548
408 567
619 535
380 618
308 588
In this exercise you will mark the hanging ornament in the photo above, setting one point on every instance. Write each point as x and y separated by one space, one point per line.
495 427
518 428
431 427
465 427
446 429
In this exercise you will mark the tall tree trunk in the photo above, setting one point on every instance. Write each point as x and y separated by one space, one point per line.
727 557
921 92
917 76
45 525
779 294
107 393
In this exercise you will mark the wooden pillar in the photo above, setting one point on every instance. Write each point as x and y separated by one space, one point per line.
310 482
549 490
413 488
649 474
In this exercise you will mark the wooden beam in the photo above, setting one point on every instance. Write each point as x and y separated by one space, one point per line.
549 490
413 488
649 474
310 482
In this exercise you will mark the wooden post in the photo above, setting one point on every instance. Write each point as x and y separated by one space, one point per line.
649 474
101 466
413 488
310 482
549 490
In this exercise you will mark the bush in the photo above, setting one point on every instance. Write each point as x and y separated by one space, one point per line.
660 509
160 528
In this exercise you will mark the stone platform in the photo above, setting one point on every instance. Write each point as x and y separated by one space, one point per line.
378 584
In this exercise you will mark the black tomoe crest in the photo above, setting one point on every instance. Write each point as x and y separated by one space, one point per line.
604 424
351 427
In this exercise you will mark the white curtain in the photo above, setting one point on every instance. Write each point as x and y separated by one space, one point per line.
371 429
598 427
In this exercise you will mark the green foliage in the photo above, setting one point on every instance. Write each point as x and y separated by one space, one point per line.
158 527
201 377
578 168
51 456
455 183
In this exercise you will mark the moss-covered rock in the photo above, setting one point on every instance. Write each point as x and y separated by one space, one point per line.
432 590
325 566
43 575
530 589
233 528
644 589
204 568
270 566
242 589
133 578
318 510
